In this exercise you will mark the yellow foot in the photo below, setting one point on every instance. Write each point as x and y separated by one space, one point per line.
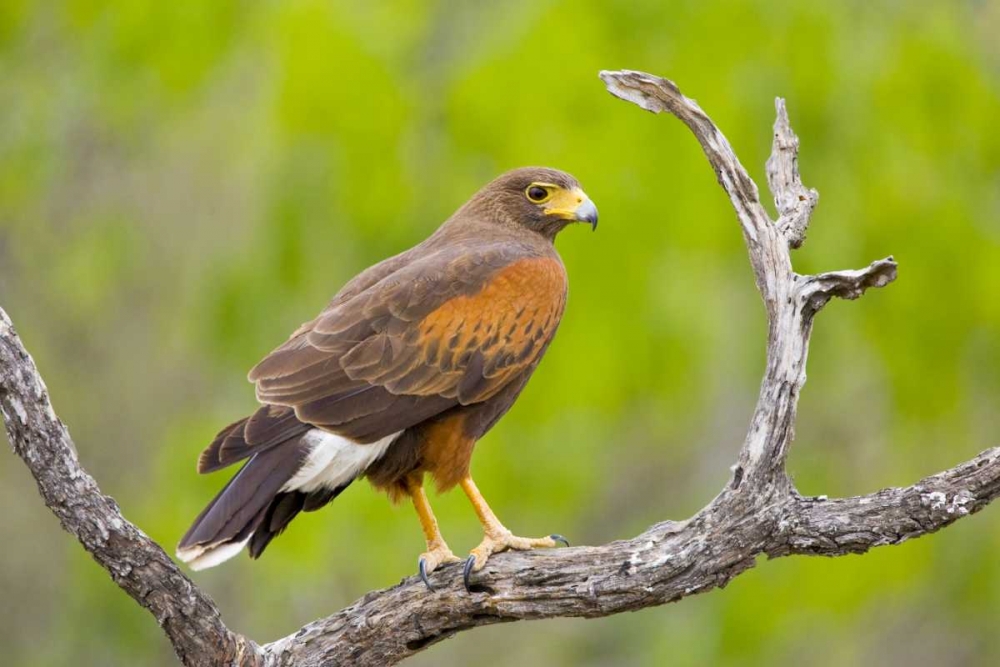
431 560
502 541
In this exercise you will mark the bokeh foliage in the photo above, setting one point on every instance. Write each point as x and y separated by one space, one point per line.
182 183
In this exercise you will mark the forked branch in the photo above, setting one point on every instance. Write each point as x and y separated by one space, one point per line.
758 512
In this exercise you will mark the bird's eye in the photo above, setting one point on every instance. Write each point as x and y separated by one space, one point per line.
537 193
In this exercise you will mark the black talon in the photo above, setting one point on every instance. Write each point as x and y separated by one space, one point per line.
466 571
423 575
559 538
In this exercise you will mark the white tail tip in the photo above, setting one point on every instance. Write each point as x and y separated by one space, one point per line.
204 557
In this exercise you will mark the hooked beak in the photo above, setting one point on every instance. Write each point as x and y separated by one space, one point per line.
573 205
587 212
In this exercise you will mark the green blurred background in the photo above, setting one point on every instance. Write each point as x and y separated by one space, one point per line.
182 183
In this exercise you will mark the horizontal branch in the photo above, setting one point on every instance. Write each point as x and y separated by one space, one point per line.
838 526
665 564
817 290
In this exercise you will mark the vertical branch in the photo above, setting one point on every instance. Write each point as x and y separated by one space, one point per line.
794 201
771 428
769 259
791 300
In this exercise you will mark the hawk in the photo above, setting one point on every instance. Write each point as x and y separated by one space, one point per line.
409 365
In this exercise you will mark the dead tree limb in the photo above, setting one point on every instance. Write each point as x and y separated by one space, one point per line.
135 562
758 512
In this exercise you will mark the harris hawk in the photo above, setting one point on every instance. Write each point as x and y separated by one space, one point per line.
410 364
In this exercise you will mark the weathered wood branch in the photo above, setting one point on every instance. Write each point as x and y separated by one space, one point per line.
758 512
136 563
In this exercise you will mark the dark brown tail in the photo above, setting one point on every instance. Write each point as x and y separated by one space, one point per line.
256 504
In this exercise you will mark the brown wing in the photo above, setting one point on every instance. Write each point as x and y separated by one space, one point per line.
447 329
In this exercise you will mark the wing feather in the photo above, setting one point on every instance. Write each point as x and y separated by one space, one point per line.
448 328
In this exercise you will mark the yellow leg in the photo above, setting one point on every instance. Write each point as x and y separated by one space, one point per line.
437 552
496 537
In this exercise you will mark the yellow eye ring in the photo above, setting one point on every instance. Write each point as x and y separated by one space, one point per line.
538 194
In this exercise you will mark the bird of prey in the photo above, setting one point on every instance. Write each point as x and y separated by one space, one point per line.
411 363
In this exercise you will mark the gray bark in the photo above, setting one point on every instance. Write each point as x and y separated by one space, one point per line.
759 512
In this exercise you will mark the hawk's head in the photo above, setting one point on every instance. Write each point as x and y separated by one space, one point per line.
541 199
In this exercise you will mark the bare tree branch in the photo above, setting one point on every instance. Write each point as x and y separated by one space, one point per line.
136 563
834 527
758 512
794 201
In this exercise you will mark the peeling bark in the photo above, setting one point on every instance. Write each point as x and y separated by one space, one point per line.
759 512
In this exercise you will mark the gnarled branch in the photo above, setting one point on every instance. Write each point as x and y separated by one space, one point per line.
136 563
758 512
